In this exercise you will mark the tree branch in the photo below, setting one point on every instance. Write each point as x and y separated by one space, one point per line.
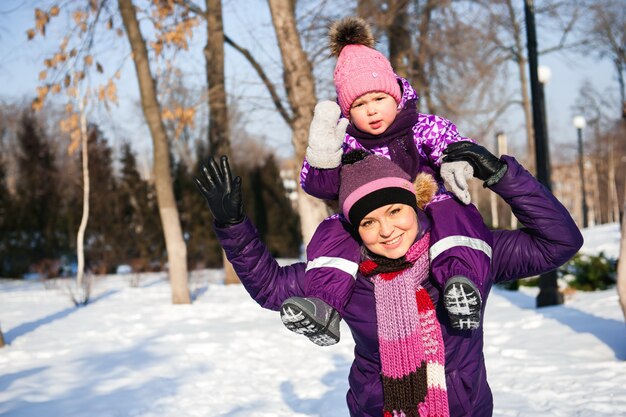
261 73
257 67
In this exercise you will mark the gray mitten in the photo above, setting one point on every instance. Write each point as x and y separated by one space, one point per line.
455 175
326 136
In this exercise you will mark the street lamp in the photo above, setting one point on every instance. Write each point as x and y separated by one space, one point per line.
544 74
579 124
542 142
548 290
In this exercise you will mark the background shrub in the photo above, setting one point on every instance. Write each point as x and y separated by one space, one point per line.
590 272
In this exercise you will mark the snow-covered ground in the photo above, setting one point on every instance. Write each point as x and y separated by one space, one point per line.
131 353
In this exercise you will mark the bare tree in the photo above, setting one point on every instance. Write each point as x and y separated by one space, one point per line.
176 247
605 151
214 56
621 267
79 46
83 288
604 35
415 34
2 344
219 132
408 31
300 88
392 19
511 22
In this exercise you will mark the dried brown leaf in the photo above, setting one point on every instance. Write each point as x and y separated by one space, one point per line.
111 91
74 144
37 104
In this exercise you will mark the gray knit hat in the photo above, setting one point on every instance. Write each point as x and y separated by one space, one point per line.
370 183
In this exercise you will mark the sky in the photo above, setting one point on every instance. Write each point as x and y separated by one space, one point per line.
249 23
131 353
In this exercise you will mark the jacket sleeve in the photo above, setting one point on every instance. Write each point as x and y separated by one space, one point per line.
332 262
433 134
549 237
268 283
320 183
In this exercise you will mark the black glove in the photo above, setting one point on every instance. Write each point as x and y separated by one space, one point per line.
487 166
221 192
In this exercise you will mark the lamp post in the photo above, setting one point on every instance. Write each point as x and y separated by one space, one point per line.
548 290
544 74
542 142
579 124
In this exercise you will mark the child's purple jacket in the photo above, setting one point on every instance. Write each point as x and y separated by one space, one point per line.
549 238
431 135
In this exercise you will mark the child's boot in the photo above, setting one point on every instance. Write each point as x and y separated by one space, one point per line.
462 301
312 318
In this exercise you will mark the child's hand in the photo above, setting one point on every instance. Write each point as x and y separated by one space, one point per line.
455 176
221 192
326 136
487 166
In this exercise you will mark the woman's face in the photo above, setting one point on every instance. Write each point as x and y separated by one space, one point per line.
373 113
389 230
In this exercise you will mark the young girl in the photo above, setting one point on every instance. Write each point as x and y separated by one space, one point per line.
390 313
379 111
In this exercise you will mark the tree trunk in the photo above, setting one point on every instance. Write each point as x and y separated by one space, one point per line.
219 142
300 87
214 56
83 288
526 105
80 237
399 37
1 339
597 199
419 78
170 219
621 267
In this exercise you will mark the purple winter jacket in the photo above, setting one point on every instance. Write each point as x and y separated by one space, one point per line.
549 238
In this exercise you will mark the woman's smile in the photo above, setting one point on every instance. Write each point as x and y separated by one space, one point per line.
393 243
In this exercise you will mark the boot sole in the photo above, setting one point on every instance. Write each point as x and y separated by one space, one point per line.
462 301
299 321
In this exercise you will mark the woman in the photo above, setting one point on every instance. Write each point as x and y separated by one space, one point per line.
549 238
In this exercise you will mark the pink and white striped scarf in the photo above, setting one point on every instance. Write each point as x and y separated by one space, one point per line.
411 346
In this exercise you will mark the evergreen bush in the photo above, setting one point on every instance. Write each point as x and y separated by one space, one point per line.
590 272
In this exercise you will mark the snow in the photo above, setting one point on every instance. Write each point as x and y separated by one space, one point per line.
131 353
603 238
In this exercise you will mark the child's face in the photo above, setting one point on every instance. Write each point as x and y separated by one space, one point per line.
389 230
374 112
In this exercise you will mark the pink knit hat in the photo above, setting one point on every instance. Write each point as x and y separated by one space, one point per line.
360 69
